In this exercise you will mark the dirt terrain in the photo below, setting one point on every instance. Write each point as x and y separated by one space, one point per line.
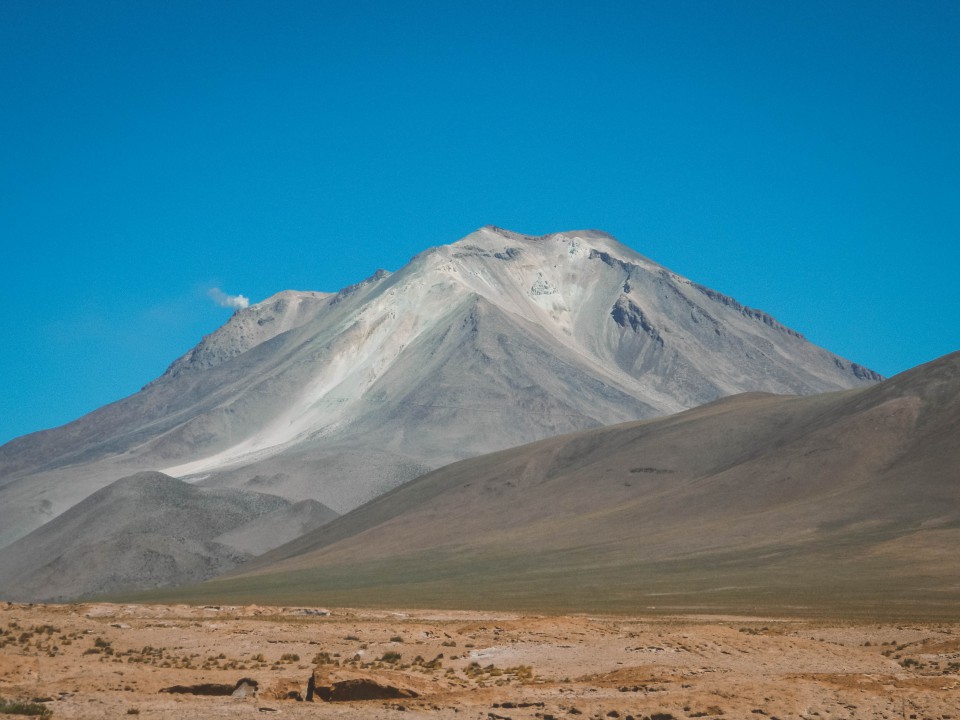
107 661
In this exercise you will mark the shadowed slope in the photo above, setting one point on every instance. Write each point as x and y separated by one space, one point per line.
145 531
278 527
845 502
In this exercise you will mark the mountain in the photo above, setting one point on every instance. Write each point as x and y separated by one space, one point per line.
844 502
493 341
145 531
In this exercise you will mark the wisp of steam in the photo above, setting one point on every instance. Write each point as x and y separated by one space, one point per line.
237 302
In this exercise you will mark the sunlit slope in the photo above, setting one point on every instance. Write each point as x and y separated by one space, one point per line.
845 502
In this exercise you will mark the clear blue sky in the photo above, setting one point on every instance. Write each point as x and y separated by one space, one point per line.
803 157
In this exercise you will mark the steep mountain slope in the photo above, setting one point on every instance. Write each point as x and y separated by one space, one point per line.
492 341
145 531
265 532
841 502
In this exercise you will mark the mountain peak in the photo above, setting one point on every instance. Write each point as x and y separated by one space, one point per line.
492 237
653 336
496 339
247 328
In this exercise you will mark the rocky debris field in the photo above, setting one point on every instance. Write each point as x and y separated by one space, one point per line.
111 661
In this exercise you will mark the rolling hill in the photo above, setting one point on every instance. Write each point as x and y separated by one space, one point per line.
844 503
149 530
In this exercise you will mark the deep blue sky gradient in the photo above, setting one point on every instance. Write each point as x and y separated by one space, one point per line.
803 157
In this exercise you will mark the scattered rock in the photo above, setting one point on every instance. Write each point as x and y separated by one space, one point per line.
245 688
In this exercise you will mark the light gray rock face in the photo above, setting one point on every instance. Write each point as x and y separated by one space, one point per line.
249 328
496 340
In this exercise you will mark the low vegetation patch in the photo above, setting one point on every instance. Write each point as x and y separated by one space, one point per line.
498 676
40 639
12 707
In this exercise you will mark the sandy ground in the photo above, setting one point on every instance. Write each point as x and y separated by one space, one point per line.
109 661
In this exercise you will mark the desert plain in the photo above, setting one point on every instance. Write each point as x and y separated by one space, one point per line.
112 660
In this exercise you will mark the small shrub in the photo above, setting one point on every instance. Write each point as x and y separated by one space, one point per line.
390 657
323 658
396 639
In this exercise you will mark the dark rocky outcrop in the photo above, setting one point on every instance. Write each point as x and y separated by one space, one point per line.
345 686
242 688
627 313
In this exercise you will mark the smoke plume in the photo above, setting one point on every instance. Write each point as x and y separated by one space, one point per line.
237 302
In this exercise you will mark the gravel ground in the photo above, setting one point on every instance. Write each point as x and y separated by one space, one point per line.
108 661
